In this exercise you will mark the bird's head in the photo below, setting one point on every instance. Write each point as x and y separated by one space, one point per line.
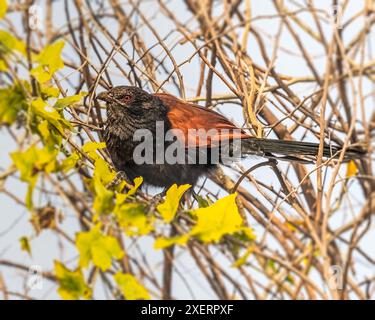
130 99
124 96
127 102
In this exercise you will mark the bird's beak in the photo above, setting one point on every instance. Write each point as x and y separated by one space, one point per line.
104 96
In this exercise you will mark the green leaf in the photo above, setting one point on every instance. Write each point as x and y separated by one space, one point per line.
72 283
289 278
49 60
98 248
271 264
202 203
246 234
133 219
3 8
217 220
130 287
168 208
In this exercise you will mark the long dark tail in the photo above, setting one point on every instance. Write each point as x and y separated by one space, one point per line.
293 149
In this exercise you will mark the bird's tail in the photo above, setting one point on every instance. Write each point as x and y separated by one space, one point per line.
293 150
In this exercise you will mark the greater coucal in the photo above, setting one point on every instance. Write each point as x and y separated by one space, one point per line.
131 108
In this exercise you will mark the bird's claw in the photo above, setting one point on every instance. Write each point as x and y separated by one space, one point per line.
156 200
120 176
259 152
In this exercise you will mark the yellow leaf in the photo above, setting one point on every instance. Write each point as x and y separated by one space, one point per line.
12 101
70 162
213 222
46 160
29 194
241 261
67 101
3 8
137 183
25 245
293 223
103 202
45 111
130 287
10 43
44 130
33 160
168 208
133 218
217 220
3 66
91 147
103 171
49 60
98 248
72 283
24 162
30 162
121 197
246 234
48 91
41 74
162 243
351 169
48 134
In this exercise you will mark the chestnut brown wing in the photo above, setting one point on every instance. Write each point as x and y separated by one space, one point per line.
184 116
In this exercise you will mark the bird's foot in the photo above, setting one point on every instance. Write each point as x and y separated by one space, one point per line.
260 152
156 200
120 176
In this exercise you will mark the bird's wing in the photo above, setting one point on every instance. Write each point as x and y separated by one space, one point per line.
184 116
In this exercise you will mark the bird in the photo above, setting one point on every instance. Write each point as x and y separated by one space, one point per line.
130 109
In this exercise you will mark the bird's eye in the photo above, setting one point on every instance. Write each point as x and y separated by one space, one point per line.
127 98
